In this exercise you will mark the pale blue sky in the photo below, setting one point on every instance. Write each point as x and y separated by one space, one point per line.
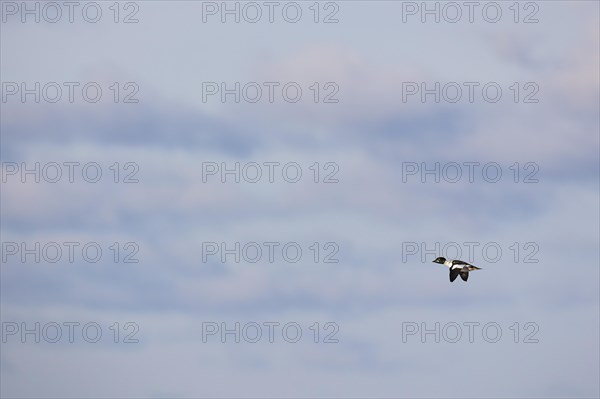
369 213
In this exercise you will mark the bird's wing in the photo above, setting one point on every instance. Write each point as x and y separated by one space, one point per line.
464 275
460 262
454 274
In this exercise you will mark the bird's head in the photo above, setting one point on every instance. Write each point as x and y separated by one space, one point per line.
440 260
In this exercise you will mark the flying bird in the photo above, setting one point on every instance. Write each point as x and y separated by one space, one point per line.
457 267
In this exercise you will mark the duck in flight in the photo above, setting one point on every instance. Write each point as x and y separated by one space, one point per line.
457 267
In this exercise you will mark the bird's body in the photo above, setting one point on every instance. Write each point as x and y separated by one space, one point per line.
457 267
